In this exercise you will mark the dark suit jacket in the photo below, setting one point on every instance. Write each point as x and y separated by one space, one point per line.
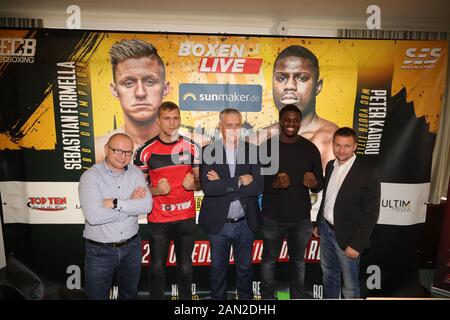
357 205
220 193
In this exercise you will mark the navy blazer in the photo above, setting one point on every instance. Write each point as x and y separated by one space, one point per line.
357 205
220 193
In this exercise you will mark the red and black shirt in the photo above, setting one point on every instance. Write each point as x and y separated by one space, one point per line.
158 159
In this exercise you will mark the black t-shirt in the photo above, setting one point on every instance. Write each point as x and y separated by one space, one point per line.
293 203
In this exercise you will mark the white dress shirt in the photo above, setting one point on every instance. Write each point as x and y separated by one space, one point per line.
335 183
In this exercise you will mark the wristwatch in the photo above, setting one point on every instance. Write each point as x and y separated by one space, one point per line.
115 203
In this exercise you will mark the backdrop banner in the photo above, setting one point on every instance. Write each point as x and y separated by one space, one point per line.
58 107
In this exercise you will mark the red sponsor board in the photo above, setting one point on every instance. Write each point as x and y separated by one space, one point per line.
201 255
312 252
47 203
230 65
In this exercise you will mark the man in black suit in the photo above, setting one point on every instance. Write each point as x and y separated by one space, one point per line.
347 216
230 214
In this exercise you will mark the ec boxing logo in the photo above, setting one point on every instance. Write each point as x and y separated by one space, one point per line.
17 50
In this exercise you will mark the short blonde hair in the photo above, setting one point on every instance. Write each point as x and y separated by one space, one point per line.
134 49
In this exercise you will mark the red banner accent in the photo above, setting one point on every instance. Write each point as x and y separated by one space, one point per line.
230 65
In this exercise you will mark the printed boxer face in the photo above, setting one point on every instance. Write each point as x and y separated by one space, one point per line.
295 82
140 87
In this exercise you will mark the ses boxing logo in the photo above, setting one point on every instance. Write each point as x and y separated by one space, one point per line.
216 97
221 57
421 58
17 50
47 203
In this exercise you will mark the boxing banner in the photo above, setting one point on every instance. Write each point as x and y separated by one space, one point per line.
60 102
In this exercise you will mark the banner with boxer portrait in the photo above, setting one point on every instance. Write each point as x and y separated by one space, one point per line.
58 106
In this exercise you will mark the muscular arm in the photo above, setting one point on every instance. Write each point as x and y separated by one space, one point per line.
321 135
196 171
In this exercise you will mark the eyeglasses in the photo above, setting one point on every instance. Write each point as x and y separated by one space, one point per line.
121 152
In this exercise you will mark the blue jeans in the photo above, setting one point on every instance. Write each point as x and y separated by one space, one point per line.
298 234
183 234
339 271
241 238
103 261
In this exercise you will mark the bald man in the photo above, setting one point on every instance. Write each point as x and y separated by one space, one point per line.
112 195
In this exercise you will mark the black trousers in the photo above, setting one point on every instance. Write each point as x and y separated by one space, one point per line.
160 234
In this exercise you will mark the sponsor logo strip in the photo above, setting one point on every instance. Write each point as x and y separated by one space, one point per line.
216 97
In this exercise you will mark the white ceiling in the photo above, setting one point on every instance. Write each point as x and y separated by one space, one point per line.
432 15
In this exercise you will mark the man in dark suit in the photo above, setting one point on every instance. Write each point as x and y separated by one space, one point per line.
231 182
347 216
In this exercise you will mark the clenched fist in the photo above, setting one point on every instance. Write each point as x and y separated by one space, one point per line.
282 181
